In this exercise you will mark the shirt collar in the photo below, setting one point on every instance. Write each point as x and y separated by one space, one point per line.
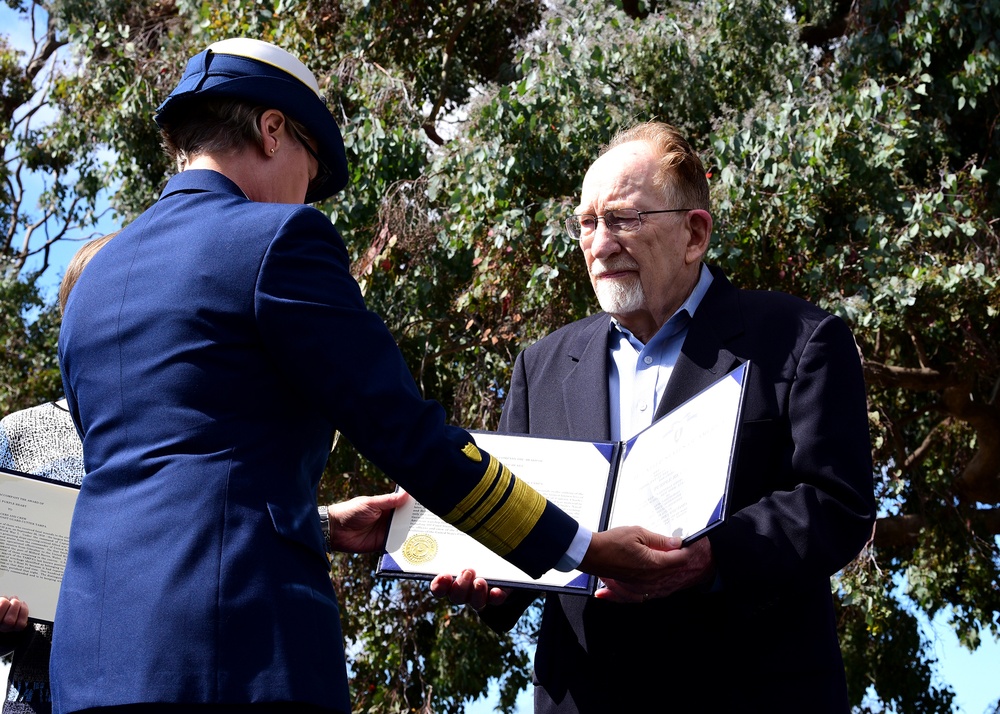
688 306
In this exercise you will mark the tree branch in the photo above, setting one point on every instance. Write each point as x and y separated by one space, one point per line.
980 481
921 379
428 126
918 454
44 49
896 532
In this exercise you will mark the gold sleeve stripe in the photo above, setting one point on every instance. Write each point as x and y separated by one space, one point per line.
514 520
490 483
500 511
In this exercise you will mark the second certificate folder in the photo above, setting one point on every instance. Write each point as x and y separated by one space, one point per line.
672 478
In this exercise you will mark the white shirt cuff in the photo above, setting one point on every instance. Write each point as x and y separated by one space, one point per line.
577 549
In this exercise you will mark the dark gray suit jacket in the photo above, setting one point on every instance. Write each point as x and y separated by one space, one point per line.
763 638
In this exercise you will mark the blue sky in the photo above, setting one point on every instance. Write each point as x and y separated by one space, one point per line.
975 677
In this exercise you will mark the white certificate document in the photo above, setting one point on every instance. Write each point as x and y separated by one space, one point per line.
674 475
35 515
574 475
671 478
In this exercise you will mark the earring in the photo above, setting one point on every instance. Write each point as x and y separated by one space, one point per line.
272 151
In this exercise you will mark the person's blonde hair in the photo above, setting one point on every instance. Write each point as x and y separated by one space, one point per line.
76 265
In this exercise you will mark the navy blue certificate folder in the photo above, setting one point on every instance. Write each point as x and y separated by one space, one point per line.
672 477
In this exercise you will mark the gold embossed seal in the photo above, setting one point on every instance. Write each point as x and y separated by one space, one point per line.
420 548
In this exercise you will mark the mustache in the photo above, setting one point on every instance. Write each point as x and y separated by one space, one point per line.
598 268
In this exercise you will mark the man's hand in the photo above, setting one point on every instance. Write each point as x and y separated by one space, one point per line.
635 565
467 589
13 614
677 569
360 524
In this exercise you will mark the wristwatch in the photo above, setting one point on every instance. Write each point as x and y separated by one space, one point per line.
324 522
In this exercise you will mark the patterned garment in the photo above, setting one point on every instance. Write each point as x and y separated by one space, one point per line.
43 441
28 682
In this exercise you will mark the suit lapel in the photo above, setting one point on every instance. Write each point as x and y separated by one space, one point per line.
704 357
585 389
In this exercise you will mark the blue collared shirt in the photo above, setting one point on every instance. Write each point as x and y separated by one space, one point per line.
638 378
639 373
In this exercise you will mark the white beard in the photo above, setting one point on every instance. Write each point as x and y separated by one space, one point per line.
621 297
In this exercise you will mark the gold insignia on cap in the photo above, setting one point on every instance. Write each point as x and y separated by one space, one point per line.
472 452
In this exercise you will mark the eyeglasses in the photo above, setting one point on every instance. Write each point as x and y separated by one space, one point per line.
621 220
322 170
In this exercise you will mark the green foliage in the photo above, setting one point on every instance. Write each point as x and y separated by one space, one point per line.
874 651
853 159
412 652
15 91
29 329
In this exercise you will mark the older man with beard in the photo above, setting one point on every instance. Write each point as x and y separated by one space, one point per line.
749 606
